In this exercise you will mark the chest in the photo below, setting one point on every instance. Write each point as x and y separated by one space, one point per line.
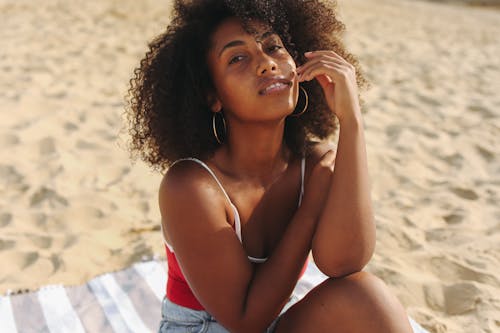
264 213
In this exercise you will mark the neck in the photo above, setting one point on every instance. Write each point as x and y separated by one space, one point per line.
256 151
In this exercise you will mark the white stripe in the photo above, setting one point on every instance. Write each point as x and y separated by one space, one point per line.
6 316
416 327
58 311
311 278
154 275
123 304
108 306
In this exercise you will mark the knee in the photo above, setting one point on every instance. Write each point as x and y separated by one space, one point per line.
363 290
360 288
361 284
365 299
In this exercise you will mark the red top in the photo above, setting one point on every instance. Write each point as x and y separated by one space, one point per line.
178 290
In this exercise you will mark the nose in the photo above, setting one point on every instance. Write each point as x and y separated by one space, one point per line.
265 64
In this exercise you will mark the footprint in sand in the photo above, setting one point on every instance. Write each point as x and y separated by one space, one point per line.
454 299
40 220
29 259
70 127
456 160
460 298
453 218
47 146
464 193
5 219
476 262
429 100
392 131
82 144
9 175
9 140
55 91
70 241
434 296
483 110
486 154
57 262
41 242
6 244
459 271
105 135
48 195
11 179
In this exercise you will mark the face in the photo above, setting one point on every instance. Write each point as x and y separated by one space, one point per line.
254 75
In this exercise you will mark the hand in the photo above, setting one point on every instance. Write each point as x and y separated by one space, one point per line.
318 185
337 78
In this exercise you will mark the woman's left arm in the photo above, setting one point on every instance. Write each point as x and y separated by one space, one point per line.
345 235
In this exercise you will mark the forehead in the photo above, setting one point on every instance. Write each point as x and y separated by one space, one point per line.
233 29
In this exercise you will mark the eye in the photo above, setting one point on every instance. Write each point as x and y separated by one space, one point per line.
235 59
274 47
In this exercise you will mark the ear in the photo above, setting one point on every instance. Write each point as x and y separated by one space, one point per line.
214 103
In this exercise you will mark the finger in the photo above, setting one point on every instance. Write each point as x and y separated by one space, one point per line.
326 83
334 71
330 53
323 59
318 64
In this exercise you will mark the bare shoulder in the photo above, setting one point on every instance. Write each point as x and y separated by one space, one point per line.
184 177
188 178
186 186
197 222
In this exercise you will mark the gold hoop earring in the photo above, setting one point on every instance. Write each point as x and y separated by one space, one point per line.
306 103
214 126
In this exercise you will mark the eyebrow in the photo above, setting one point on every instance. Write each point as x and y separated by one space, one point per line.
240 42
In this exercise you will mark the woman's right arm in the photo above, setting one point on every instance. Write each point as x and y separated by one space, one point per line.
243 299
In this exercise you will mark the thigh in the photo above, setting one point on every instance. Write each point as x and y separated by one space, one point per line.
359 302
207 326
179 319
215 327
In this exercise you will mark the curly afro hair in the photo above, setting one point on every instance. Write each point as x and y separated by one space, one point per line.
166 123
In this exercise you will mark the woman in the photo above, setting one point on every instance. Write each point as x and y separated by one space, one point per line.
221 101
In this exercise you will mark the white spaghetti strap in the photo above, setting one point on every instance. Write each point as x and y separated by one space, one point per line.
302 173
164 240
237 223
209 170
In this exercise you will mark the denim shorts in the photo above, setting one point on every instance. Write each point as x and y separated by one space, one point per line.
179 319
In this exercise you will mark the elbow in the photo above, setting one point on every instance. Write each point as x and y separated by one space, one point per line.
336 264
338 269
338 254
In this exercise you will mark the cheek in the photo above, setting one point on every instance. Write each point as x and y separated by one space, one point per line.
234 91
289 67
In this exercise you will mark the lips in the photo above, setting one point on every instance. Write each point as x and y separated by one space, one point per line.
270 85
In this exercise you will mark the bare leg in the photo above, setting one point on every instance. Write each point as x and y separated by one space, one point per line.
359 302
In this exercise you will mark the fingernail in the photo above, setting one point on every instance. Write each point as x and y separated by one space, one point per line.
307 54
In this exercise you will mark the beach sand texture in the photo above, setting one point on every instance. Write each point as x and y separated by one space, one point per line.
72 205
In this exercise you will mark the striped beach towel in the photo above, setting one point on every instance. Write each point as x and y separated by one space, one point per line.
127 301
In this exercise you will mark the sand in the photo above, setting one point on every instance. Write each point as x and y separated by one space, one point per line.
72 205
